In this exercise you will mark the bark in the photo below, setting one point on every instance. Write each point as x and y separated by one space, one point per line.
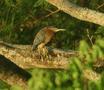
24 57
80 13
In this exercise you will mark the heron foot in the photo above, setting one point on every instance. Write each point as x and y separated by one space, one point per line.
43 53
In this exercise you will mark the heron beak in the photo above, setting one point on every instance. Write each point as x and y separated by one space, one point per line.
60 30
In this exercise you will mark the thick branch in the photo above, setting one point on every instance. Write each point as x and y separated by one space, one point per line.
24 57
84 14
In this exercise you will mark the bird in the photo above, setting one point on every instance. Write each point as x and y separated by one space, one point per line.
44 36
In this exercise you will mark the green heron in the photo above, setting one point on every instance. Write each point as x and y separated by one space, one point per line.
44 36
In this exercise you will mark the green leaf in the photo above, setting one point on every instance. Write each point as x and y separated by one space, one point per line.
83 48
100 43
16 87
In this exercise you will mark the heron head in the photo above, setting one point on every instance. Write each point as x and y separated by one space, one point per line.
54 29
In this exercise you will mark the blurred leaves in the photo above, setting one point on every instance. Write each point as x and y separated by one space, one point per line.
20 21
16 87
3 85
48 80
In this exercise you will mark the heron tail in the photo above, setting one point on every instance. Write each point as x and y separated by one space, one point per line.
33 47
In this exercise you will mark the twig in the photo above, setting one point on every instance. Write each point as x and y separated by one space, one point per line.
89 37
34 21
53 12
100 6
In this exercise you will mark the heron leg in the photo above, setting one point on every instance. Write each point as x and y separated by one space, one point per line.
42 51
45 53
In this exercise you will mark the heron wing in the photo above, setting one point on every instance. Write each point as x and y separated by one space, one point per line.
39 38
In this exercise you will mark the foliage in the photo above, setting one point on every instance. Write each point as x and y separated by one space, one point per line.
21 19
3 85
15 87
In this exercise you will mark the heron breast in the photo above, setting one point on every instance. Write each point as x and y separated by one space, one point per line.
48 36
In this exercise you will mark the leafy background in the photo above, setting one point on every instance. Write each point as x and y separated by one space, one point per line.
20 20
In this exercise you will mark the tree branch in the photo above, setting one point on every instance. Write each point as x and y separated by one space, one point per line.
24 57
84 14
